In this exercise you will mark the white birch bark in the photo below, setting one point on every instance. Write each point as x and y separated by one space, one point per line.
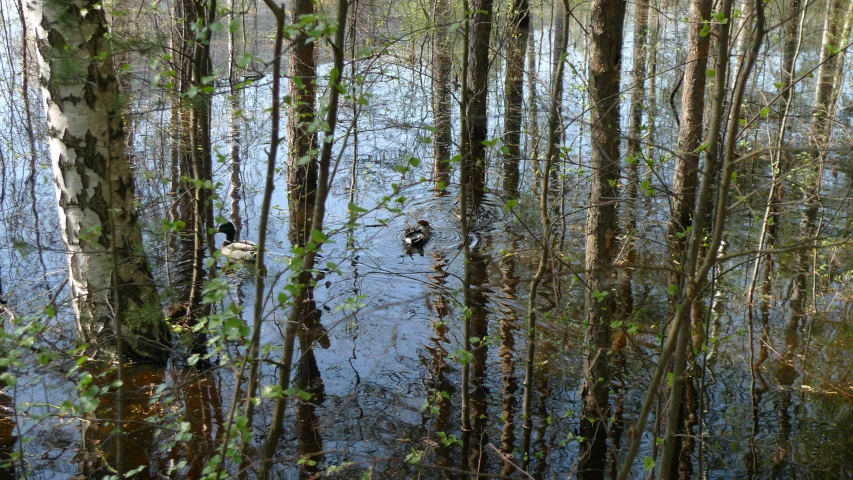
92 176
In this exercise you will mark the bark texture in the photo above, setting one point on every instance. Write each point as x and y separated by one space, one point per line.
518 29
474 173
442 63
605 58
690 132
835 35
94 181
302 141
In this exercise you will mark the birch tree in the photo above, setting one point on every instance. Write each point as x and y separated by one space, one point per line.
108 274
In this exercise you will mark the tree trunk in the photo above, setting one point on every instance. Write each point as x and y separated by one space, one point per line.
474 165
690 131
235 117
532 110
791 30
95 187
518 29
605 58
635 150
302 300
835 35
442 62
301 164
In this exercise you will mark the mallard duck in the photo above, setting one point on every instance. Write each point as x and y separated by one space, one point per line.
236 250
417 235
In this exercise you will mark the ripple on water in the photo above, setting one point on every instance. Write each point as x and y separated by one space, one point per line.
442 213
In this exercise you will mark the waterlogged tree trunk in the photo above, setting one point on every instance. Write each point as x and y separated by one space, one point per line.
690 132
605 58
183 209
518 29
635 151
235 103
835 35
545 256
94 181
532 111
474 165
695 275
302 299
442 62
301 163
791 29
202 162
687 163
744 34
555 123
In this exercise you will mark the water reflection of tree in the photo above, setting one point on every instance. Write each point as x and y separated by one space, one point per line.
477 436
308 379
508 325
439 388
104 449
203 406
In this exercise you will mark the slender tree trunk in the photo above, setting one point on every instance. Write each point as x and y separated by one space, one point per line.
561 30
744 34
791 29
518 29
635 151
695 276
474 167
442 62
685 181
607 19
694 279
690 131
654 33
301 164
532 110
235 102
835 35
302 293
94 181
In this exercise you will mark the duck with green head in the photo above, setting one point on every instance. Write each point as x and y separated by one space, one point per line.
236 250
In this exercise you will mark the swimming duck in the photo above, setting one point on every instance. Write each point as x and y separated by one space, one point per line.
417 235
236 250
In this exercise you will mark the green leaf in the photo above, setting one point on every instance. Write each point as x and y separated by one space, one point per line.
510 204
271 391
764 111
318 236
706 29
832 49
464 357
648 464
353 208
710 72
672 289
